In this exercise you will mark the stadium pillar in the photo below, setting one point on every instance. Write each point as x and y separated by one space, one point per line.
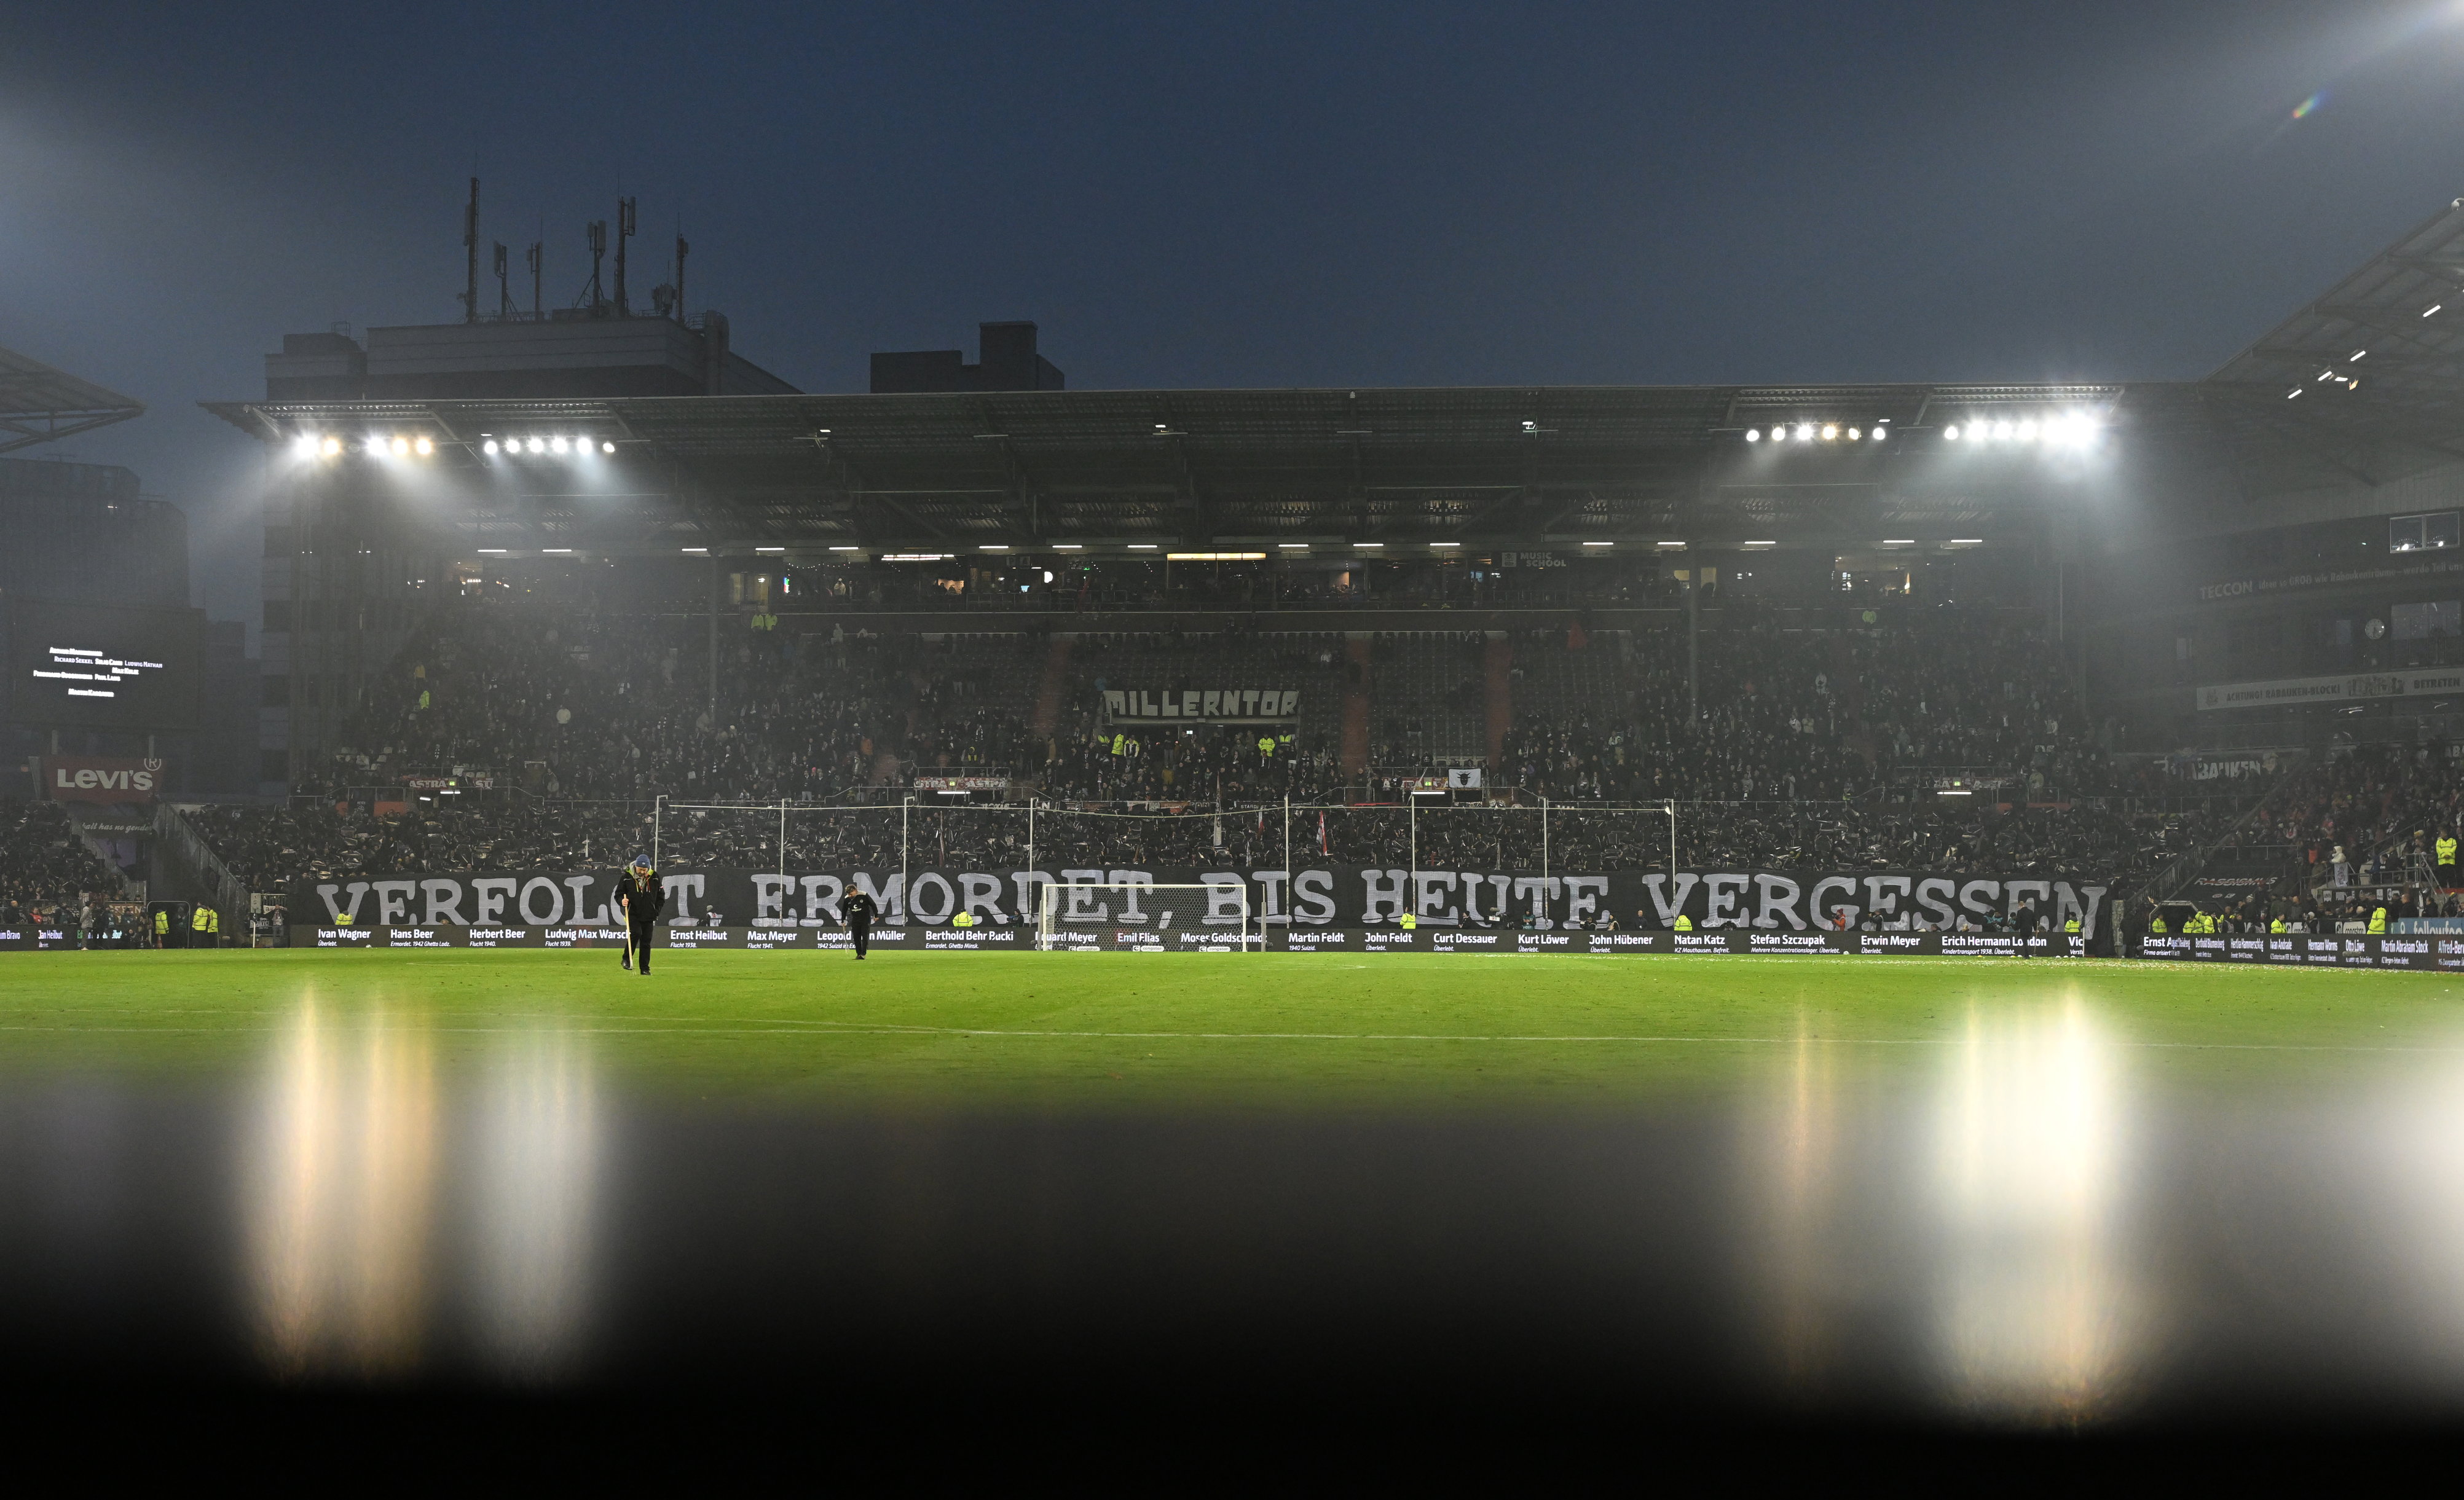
713 643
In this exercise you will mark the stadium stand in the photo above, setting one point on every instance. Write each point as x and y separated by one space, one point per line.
44 865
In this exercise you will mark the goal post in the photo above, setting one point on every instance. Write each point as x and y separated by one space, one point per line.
1101 914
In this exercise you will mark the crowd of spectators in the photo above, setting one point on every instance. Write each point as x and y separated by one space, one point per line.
45 867
562 723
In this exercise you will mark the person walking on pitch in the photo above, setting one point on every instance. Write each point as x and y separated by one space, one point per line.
640 895
860 913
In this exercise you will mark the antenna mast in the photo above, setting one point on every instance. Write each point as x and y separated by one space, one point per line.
624 233
682 250
537 259
470 256
598 254
504 292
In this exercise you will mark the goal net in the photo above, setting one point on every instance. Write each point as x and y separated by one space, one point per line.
1210 916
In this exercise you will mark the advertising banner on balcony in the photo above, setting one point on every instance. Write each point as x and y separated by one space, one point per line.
2350 688
68 777
1771 901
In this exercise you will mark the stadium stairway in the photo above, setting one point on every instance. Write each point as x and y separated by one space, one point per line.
1355 704
1051 691
1498 665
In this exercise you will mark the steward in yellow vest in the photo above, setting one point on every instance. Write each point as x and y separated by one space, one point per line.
1684 923
2379 921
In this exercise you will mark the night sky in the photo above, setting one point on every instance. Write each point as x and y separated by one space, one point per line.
1236 195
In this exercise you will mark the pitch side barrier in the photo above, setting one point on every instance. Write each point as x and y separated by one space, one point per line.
1015 938
2346 950
1325 895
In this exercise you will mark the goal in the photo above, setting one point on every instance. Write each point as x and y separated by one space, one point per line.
1210 916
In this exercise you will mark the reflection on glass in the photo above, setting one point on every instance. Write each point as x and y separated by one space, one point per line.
1799 1154
341 1184
539 1152
2035 1310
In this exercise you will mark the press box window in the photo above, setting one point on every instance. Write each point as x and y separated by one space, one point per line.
2423 533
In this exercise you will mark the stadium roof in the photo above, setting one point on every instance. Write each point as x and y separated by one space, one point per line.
39 403
1479 465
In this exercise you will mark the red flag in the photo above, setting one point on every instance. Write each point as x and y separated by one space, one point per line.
1321 833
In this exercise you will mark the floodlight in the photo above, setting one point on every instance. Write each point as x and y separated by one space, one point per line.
606 448
333 446
2357 354
1047 575
1058 546
1831 433
1805 432
402 447
555 445
1877 433
846 549
489 448
1599 543
2028 429
422 448
303 446
1855 435
2001 430
1951 433
1753 435
538 446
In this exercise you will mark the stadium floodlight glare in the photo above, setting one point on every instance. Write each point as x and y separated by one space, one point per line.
1763 543
1805 432
1369 544
1855 435
1673 547
498 550
422 448
555 445
606 448
696 549
489 448
1599 543
1951 433
401 447
2295 391
2001 430
769 549
846 549
2357 354
1142 546
994 546
303 446
1967 542
2432 309
1058 546
557 552
1831 433
1875 435
1291 547
1899 542
1215 557
2327 374
333 446
2028 429
1753 435
538 446
1445 544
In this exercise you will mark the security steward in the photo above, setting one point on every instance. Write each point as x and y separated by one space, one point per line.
641 895
860 913
205 927
2071 929
1409 921
161 927
1684 923
2447 859
2379 922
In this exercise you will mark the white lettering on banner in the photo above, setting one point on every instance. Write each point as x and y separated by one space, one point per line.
1830 916
1539 895
444 903
770 897
1934 896
948 903
1028 882
1221 705
1778 902
579 886
491 892
981 894
554 897
2359 686
820 908
1668 909
1271 891
1133 881
1721 891
393 901
1081 906
1383 893
357 889
1224 892
1314 889
2035 893
1583 895
1432 895
889 899
1971 891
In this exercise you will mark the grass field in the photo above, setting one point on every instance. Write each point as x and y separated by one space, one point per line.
1089 1029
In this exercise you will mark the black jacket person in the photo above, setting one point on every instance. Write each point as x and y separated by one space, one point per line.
640 894
860 913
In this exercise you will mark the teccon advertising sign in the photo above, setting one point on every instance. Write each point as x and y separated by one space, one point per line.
82 779
103 668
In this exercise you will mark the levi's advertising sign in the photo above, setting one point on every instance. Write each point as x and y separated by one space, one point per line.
83 779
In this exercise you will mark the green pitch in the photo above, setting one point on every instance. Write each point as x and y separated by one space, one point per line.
1085 1029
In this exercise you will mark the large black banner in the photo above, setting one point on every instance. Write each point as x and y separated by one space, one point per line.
1326 896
